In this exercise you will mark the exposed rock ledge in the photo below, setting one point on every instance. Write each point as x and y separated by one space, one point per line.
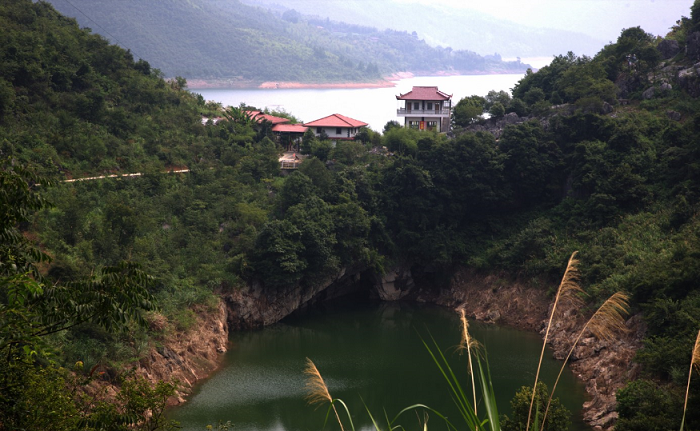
185 357
603 366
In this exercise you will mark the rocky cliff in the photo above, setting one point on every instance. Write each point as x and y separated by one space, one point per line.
603 366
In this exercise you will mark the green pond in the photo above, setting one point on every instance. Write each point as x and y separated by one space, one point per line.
367 352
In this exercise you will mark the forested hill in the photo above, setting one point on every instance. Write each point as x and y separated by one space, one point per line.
442 25
213 39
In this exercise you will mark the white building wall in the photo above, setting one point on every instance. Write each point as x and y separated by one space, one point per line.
345 132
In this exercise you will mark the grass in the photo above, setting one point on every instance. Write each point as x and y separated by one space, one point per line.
694 362
568 290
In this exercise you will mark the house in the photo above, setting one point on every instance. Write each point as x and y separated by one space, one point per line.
287 134
426 108
337 127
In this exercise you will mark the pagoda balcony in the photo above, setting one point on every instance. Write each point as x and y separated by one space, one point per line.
442 113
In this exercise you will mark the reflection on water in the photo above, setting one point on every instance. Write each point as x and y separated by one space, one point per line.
365 352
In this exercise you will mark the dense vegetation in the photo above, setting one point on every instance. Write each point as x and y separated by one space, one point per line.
623 188
216 39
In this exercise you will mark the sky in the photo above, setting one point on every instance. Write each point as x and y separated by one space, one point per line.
602 19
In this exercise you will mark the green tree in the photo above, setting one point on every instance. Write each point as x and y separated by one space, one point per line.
558 417
493 96
467 110
308 142
497 110
391 124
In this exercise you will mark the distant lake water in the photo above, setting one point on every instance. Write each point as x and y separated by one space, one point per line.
375 106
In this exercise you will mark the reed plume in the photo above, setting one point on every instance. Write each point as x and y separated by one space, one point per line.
468 343
568 291
317 391
694 362
608 320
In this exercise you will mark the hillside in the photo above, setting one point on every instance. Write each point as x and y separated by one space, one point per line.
598 155
439 25
226 39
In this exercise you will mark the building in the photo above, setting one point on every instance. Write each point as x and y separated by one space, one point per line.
337 127
426 108
288 135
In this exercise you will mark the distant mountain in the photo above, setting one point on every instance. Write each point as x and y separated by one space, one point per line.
444 26
216 39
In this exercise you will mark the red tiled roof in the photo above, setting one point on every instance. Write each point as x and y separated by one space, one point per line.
336 120
424 93
259 117
289 128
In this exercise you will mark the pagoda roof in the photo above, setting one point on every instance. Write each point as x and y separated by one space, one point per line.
424 93
336 120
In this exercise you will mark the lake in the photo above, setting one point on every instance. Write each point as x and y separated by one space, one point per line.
366 352
375 106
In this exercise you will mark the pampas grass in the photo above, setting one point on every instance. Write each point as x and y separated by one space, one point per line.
317 391
694 362
468 343
607 321
569 291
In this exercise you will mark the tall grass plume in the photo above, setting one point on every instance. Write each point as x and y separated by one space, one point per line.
468 343
694 362
607 321
568 291
317 391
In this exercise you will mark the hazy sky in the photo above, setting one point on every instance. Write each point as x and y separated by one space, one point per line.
602 19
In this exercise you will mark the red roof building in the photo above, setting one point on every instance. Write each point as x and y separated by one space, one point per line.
426 108
337 127
261 116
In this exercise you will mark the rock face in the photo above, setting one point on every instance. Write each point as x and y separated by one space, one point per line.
604 366
692 46
495 126
668 48
395 284
190 356
257 305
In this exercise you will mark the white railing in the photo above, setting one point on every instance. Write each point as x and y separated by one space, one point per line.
290 164
424 112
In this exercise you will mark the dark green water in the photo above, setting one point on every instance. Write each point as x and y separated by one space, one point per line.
369 352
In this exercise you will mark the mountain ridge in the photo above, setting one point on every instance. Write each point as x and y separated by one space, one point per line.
215 39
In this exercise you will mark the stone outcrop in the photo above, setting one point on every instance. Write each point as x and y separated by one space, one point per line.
257 305
183 357
189 356
668 48
604 366
495 126
692 46
395 284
